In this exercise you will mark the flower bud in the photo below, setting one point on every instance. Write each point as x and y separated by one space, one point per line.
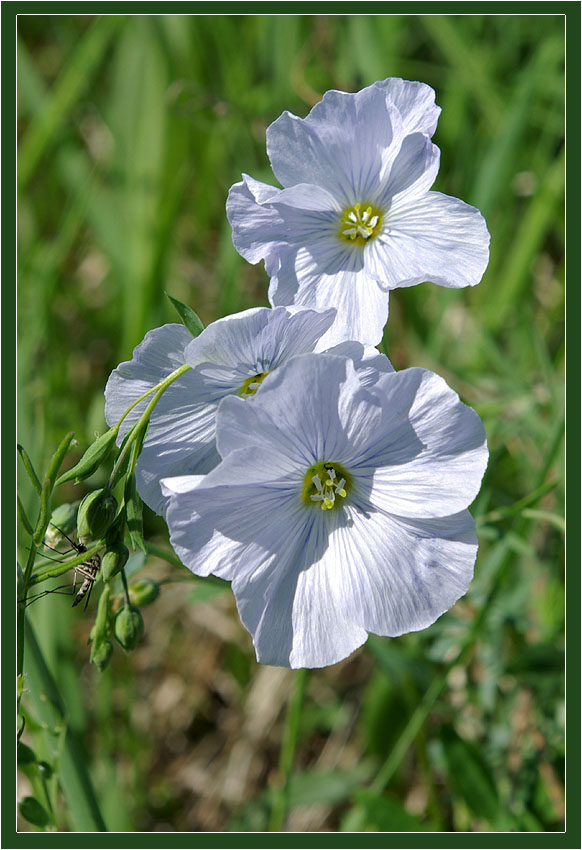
144 592
96 454
101 652
63 521
113 561
128 627
96 513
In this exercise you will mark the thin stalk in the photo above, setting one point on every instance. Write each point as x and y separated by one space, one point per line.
136 430
290 734
125 588
65 566
73 775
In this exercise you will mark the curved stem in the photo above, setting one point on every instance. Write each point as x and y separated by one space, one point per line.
141 423
290 734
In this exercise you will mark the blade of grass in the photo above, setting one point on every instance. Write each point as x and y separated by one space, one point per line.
76 76
73 775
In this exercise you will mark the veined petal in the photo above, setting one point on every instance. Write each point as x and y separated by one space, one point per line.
255 223
430 454
412 172
180 435
290 606
339 145
369 362
258 340
216 519
310 409
331 274
436 238
415 102
397 575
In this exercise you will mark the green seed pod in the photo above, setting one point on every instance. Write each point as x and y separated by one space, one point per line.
113 561
144 592
101 652
96 454
128 627
96 513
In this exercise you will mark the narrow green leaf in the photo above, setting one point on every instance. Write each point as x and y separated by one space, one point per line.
190 319
76 75
29 468
47 488
22 516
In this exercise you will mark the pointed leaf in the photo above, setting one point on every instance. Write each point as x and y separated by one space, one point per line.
188 316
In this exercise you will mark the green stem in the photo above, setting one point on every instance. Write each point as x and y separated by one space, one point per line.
125 588
141 423
73 775
65 566
290 734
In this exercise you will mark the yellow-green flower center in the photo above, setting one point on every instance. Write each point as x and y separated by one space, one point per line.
251 385
326 485
360 223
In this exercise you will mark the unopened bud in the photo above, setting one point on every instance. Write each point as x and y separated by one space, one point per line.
144 592
128 627
96 513
113 561
96 454
63 521
101 652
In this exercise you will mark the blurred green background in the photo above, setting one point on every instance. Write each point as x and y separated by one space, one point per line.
131 131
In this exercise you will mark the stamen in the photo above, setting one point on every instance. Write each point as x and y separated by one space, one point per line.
360 223
252 384
327 494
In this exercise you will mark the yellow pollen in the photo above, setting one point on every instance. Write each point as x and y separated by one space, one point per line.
324 482
360 224
251 385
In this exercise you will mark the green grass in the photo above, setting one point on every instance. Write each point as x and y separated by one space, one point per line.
131 131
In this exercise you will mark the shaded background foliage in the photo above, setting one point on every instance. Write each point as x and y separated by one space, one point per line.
131 131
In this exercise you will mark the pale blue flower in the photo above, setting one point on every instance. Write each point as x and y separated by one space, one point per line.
338 509
355 218
231 356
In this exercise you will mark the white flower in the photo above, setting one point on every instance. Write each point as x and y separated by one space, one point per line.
337 510
231 356
356 217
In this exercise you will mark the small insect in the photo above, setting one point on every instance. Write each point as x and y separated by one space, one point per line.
89 570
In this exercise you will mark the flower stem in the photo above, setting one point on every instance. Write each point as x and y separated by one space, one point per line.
290 734
142 422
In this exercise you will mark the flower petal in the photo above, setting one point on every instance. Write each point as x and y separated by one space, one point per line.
413 171
436 238
398 575
341 145
308 410
430 452
290 605
216 518
259 340
315 277
255 223
180 436
415 102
